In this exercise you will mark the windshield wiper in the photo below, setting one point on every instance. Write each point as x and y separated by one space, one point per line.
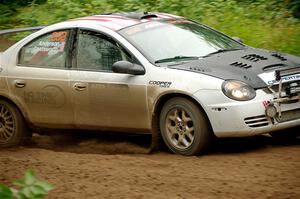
175 59
222 50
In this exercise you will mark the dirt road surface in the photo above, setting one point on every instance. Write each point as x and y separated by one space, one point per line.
110 166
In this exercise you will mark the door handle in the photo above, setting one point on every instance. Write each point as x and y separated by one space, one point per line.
20 83
80 86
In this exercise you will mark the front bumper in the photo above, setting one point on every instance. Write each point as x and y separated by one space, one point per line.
230 118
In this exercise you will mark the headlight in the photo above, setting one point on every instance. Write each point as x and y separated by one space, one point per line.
238 90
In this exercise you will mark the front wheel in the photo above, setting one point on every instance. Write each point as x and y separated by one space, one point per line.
13 130
184 127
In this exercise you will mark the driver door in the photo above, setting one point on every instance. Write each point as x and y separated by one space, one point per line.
104 99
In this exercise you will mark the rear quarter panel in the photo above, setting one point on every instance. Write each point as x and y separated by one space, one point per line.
4 89
3 71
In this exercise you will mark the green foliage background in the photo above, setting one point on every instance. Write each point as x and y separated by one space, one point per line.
271 24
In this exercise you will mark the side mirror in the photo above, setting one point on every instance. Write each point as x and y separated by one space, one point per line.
128 68
238 39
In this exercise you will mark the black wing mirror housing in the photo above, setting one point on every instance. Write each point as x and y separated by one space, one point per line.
127 67
238 39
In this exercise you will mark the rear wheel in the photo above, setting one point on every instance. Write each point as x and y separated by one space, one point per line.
13 130
184 127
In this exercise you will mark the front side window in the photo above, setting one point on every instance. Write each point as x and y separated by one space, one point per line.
96 51
47 51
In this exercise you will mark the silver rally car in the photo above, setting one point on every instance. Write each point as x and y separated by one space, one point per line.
145 73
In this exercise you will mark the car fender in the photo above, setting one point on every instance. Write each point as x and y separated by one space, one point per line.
162 87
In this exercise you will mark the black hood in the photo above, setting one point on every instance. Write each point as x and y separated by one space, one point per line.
244 65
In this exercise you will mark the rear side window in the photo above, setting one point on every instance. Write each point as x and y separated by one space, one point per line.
48 51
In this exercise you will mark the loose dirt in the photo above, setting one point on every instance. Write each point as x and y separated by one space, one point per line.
89 165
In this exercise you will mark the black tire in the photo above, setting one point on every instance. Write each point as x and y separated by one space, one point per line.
288 134
13 131
184 127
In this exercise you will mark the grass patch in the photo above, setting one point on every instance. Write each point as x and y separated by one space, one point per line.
260 23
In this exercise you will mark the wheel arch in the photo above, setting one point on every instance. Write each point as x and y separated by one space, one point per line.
164 98
23 114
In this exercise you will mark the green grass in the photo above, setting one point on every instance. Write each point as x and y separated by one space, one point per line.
259 23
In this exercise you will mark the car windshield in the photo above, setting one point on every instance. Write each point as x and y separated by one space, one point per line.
174 40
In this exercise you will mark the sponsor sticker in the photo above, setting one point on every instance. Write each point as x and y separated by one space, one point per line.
160 84
265 103
269 78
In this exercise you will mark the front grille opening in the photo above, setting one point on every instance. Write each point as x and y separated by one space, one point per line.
289 115
257 121
283 90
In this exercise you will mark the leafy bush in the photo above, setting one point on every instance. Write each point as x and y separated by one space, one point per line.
260 23
30 188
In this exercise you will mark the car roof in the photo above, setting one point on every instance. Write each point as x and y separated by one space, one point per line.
117 21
